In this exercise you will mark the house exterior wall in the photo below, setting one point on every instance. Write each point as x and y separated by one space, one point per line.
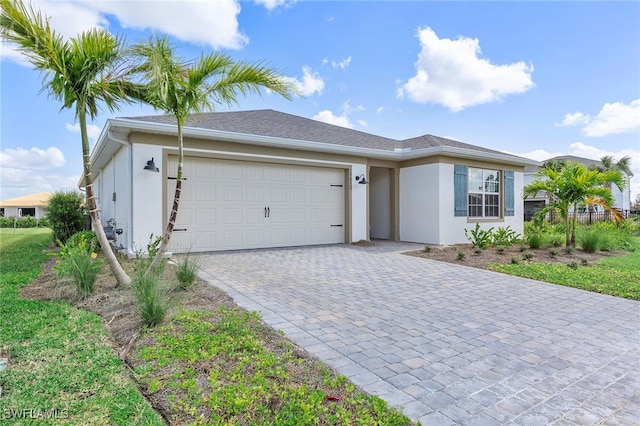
15 211
150 197
147 190
427 207
420 204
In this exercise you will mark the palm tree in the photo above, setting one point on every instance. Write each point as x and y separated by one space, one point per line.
180 88
571 186
80 72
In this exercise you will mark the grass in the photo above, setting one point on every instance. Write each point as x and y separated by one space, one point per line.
223 367
615 276
60 361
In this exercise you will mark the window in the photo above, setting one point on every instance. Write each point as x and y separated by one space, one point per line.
484 193
1 211
27 211
477 193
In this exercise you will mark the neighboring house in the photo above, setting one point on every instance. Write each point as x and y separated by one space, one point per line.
533 204
33 205
263 178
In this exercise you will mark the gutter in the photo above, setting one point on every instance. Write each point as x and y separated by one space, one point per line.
397 155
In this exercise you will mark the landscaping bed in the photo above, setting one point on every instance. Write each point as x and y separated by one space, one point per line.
210 362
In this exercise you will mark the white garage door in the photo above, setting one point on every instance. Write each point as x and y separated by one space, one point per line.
230 205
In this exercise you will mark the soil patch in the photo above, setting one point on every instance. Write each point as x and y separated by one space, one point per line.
467 255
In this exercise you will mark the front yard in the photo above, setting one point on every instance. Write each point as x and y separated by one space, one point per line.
616 273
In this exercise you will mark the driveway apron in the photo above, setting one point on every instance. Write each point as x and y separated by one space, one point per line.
444 343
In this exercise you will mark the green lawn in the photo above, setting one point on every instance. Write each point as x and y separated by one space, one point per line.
616 276
60 361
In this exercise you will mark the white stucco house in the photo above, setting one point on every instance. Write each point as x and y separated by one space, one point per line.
262 178
32 205
533 204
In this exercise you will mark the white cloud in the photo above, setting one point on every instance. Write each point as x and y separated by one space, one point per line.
272 4
343 119
453 73
614 118
32 159
27 171
342 64
580 149
329 117
380 110
93 131
311 82
574 119
213 23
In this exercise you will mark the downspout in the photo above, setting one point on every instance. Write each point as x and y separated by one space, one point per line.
127 144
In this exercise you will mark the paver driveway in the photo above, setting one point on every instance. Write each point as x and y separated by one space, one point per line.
445 343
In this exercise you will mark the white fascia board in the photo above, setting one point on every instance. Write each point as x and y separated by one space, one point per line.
399 155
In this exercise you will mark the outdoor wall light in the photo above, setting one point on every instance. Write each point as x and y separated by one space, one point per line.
361 179
151 166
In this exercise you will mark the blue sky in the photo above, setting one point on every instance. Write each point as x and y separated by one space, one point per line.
537 79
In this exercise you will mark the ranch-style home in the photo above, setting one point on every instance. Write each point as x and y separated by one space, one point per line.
263 178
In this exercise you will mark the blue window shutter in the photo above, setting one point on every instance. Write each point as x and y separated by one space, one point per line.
460 190
509 194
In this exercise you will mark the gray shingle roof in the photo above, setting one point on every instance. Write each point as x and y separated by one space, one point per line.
268 122
585 161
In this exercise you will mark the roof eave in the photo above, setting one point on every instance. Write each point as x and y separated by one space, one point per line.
396 155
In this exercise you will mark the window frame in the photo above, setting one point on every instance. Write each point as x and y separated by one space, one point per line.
484 194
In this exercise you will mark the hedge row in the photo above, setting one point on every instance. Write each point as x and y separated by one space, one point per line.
24 222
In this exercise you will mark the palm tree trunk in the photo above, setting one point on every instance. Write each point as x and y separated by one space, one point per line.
119 273
164 245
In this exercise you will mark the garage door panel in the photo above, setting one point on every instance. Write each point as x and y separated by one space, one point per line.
203 192
223 205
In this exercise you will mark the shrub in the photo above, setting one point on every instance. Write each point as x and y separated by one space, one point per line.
152 297
187 271
461 255
535 241
553 252
480 238
478 250
79 260
568 249
500 249
527 255
589 239
65 214
585 261
572 265
556 240
427 249
505 237
515 260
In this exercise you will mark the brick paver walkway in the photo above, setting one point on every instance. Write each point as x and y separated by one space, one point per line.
445 343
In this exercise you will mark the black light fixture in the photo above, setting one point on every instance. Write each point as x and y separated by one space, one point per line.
361 179
151 166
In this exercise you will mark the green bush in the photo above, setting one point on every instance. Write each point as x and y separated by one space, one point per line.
535 241
23 222
187 271
589 239
152 296
480 238
505 237
66 214
79 261
556 240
